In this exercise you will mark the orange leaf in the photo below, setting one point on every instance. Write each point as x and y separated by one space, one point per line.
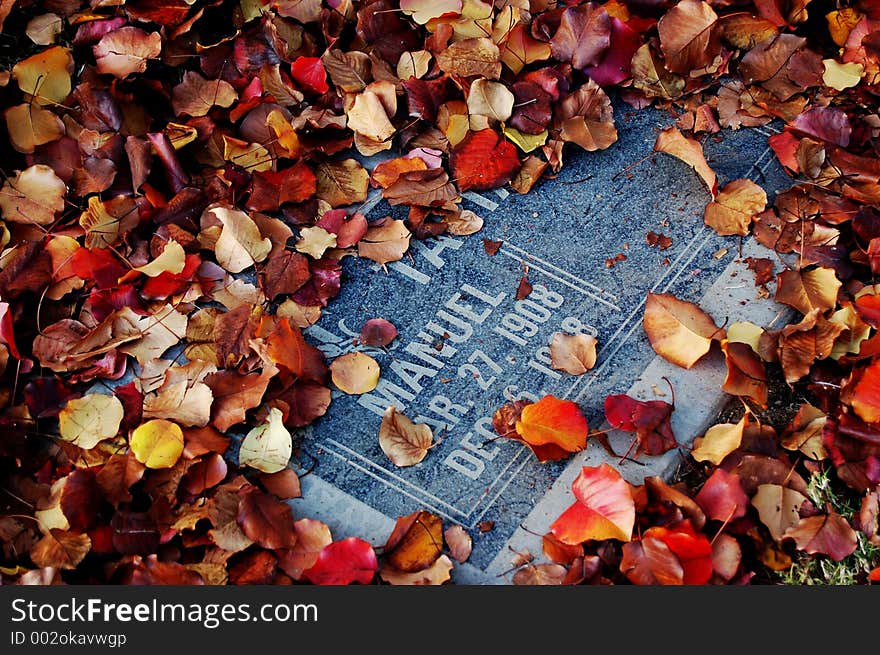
553 421
604 508
679 331
674 143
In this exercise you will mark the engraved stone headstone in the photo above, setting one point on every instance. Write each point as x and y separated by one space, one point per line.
466 344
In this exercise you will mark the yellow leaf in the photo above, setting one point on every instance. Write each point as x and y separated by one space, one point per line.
355 373
719 441
368 117
841 76
89 420
171 260
679 331
267 447
252 157
745 332
157 444
33 196
45 75
315 240
526 142
30 126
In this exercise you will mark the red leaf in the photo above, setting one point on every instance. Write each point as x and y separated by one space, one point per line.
827 535
722 497
344 562
615 65
650 420
81 499
484 161
6 333
309 73
604 508
265 519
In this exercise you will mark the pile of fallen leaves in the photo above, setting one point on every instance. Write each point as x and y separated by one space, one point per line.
182 179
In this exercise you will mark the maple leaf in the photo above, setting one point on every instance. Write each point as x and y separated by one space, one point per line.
604 508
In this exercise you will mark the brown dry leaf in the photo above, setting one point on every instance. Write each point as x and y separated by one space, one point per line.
464 223
196 96
405 443
32 196
103 222
673 142
459 542
61 549
471 57
490 99
778 508
182 397
829 535
805 432
688 38
735 207
587 119
369 117
541 574
413 64
88 420
342 183
240 243
573 353
678 330
311 538
45 28
806 291
652 78
386 241
223 513
126 51
355 373
746 375
436 574
803 343
415 543
314 241
719 441
45 75
30 125
234 393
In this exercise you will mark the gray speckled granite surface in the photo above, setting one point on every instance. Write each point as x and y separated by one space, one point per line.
496 349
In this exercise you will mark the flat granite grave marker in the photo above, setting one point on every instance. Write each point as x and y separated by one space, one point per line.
466 344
